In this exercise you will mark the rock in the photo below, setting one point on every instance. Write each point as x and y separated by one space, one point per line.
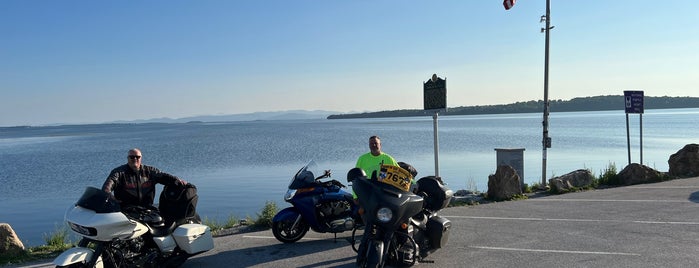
685 162
636 174
504 184
465 193
467 197
576 179
11 245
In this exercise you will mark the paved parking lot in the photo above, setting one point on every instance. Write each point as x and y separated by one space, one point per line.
651 225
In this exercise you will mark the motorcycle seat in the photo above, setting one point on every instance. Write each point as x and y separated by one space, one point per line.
162 230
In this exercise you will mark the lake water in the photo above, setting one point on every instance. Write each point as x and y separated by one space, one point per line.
238 166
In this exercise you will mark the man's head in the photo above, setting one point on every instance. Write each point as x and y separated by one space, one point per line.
375 145
134 159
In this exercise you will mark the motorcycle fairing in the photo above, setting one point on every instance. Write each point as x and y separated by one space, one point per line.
373 195
107 225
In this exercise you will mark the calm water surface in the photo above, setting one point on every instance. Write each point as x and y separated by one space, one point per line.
238 166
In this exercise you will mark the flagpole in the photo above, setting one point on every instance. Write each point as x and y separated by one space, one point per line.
546 142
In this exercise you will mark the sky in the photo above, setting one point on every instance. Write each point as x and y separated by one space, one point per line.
80 61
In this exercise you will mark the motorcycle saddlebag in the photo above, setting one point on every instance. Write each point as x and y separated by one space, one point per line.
194 238
438 231
438 195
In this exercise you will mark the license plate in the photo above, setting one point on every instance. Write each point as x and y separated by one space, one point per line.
396 177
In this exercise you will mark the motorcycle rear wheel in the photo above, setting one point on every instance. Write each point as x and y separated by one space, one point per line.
285 232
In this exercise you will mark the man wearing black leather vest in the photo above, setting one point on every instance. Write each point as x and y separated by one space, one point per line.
133 184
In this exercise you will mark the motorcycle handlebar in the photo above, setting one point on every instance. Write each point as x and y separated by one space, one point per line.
326 174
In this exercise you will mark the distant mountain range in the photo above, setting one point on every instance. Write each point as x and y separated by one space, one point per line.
281 115
595 103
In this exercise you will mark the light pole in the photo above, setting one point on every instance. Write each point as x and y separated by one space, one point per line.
546 141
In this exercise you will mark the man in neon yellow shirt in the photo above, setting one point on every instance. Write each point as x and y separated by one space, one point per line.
371 162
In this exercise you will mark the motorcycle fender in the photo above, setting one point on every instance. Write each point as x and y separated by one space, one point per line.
76 255
290 213
375 252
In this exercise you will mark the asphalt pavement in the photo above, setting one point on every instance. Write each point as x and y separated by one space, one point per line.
649 225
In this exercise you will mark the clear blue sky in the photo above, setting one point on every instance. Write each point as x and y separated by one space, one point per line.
81 61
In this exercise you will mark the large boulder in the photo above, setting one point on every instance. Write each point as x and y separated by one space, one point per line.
636 174
576 179
504 184
10 245
685 162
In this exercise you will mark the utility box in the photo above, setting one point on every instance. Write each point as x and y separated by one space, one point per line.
514 158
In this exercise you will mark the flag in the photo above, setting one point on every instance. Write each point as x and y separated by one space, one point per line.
508 4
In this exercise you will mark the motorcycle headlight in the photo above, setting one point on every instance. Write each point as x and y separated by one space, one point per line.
83 230
289 194
384 215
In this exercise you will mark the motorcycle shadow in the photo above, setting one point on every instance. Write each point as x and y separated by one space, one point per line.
261 251
694 197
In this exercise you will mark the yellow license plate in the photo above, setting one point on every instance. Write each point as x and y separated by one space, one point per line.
396 177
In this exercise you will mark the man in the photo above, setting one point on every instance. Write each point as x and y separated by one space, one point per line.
371 162
133 184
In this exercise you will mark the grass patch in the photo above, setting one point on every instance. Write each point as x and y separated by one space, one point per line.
56 243
264 218
217 226
608 176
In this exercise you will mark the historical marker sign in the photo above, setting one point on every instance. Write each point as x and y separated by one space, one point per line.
435 93
633 102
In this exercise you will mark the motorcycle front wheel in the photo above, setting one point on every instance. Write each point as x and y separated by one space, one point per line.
286 232
370 256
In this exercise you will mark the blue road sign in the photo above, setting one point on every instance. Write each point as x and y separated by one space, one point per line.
633 102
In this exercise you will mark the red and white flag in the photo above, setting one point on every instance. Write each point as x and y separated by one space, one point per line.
508 4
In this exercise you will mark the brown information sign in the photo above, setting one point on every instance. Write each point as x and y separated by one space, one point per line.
435 93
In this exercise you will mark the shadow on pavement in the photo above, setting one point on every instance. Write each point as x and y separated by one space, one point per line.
259 256
694 197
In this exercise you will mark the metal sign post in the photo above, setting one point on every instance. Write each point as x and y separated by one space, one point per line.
435 98
633 103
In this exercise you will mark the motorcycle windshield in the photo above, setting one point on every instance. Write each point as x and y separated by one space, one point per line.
98 200
305 177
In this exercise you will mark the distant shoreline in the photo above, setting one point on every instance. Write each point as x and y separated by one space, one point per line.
584 104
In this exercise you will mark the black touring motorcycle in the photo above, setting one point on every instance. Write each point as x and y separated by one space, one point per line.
402 226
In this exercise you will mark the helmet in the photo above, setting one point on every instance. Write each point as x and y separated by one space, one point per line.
409 168
355 173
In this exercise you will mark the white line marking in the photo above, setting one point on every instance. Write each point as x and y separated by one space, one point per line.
558 251
608 200
574 220
664 187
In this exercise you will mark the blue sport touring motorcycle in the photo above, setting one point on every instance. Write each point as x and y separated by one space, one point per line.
323 206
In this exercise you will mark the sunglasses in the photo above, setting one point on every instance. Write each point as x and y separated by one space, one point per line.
134 157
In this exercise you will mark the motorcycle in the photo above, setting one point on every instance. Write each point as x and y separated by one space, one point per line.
135 236
402 228
323 206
